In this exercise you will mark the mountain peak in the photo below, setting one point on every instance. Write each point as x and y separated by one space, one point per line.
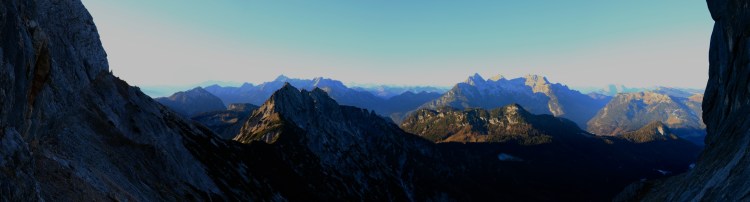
497 77
281 78
246 85
286 89
536 78
475 80
654 131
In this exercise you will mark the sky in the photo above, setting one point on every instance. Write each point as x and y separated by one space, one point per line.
638 43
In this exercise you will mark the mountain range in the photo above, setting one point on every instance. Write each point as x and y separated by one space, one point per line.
597 113
372 156
388 91
72 131
535 93
394 106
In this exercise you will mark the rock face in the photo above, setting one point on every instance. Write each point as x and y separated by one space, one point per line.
192 102
628 112
226 123
533 92
721 172
71 131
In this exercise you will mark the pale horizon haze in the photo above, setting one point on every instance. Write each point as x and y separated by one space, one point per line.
578 43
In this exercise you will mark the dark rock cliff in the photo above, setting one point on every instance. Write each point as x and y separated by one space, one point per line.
71 131
723 168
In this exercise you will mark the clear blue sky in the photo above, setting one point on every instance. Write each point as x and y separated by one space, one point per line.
580 43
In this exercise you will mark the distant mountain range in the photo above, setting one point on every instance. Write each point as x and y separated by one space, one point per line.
598 113
627 112
613 89
534 93
394 106
386 91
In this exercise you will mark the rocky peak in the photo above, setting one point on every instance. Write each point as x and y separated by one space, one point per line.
514 109
539 84
497 77
197 91
247 85
536 78
281 78
192 102
327 83
475 80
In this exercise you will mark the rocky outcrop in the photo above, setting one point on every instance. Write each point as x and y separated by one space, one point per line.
509 123
721 172
226 123
192 102
654 131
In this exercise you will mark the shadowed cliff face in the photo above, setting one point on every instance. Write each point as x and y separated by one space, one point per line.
71 131
722 171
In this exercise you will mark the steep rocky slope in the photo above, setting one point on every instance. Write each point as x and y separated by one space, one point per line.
71 131
535 93
192 102
627 112
226 123
721 172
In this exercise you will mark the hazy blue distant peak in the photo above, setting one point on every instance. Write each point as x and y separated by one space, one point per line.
281 78
247 85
